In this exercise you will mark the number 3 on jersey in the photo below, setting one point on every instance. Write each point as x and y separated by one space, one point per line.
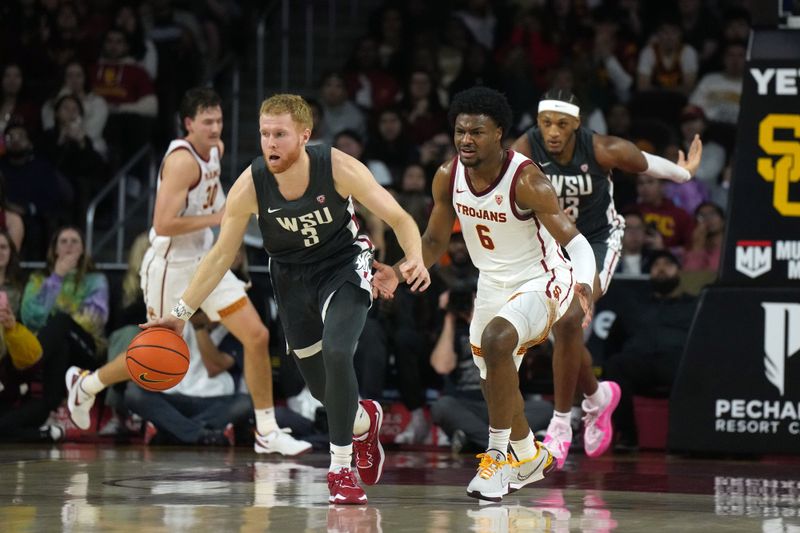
483 235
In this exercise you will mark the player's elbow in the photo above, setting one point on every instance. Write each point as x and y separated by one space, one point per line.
163 227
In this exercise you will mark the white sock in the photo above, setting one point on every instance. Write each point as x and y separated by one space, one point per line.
524 448
498 440
341 457
361 423
564 418
265 421
597 399
91 384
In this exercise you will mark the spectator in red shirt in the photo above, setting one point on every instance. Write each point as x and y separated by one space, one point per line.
129 92
704 251
673 223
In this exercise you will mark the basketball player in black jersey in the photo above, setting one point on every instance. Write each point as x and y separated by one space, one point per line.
578 163
320 271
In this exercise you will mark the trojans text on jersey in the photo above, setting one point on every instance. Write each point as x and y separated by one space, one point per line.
483 214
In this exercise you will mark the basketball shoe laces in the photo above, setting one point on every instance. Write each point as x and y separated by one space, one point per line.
590 419
516 464
346 478
489 465
362 453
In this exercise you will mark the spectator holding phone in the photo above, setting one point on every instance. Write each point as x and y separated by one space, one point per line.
19 352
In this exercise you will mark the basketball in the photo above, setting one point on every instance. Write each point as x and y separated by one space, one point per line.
157 359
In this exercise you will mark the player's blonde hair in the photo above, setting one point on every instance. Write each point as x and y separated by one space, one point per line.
295 105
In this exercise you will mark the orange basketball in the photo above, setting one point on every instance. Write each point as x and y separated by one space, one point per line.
157 359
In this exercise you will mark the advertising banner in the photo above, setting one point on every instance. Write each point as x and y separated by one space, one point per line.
738 389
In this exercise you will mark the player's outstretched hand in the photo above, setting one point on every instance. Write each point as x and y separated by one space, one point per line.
414 272
169 322
691 162
384 281
584 293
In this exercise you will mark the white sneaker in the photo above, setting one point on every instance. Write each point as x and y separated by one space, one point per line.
558 441
304 404
532 469
491 481
280 441
79 402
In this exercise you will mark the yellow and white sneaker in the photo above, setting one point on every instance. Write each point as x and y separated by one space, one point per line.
491 481
532 469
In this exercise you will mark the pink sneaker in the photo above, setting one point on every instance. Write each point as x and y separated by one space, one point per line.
597 429
558 440
368 450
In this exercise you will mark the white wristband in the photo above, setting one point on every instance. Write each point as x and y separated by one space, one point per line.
181 311
582 258
661 168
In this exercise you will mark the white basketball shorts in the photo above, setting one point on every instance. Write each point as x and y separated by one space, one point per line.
531 307
163 283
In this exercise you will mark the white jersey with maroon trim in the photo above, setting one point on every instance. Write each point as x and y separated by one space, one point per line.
506 243
203 198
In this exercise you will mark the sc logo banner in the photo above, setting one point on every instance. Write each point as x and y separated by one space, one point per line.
786 169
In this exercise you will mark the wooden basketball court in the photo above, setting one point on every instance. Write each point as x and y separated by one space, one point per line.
153 489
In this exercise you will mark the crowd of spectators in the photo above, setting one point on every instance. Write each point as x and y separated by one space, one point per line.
655 73
86 82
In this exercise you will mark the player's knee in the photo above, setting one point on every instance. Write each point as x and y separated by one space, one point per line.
498 341
258 339
336 355
570 323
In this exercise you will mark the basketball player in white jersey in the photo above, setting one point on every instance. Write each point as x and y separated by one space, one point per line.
189 202
512 225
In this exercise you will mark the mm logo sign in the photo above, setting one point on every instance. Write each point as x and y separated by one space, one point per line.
753 258
785 169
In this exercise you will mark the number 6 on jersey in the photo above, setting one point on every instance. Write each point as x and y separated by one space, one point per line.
483 235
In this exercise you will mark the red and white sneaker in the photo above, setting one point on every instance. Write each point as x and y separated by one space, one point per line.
344 488
367 447
79 402
150 431
230 434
